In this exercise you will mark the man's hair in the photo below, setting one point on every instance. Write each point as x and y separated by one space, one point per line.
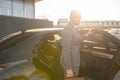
73 12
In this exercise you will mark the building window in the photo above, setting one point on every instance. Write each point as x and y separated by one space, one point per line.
18 9
5 11
0 10
5 3
5 7
28 13
105 23
29 9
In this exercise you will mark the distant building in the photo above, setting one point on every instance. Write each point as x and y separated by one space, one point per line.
99 23
89 23
109 23
63 22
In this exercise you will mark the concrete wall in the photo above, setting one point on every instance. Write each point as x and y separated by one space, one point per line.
10 25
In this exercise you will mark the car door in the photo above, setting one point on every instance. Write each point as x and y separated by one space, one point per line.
50 49
97 52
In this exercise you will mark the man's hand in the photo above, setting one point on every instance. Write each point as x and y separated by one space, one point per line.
69 73
90 32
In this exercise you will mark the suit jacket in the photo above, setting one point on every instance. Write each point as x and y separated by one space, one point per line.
70 56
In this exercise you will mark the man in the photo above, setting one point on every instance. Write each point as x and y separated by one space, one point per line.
70 57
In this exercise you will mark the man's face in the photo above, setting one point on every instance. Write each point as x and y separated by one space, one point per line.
75 18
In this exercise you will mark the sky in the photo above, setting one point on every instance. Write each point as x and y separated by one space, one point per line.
89 9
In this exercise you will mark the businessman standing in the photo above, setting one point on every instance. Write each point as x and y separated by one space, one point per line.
70 57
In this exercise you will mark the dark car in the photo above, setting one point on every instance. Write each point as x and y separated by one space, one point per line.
35 55
115 32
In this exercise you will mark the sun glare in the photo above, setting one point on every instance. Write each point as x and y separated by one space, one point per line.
90 9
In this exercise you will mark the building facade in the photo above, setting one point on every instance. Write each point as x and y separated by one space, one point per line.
18 8
19 15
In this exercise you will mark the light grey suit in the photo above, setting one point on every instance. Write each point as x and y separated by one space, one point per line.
70 57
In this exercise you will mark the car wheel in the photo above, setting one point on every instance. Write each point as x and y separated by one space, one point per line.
39 75
117 76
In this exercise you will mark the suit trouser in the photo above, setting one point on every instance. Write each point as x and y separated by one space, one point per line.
75 59
76 71
71 60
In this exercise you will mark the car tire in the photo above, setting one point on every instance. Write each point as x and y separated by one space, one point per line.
39 75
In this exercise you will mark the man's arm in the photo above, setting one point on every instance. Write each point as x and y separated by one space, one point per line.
66 48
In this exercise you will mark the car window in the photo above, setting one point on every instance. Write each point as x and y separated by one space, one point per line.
112 31
94 43
118 31
110 44
50 47
99 43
